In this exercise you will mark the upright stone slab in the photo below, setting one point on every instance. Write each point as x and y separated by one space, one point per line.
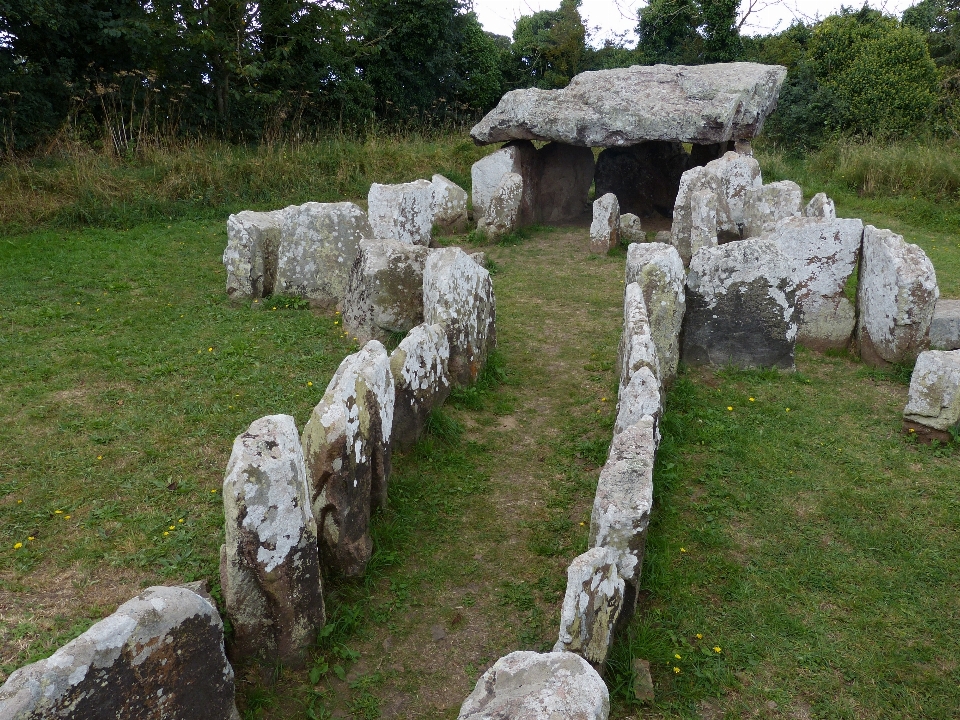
319 243
738 175
458 295
631 229
658 270
269 566
945 326
565 174
526 685
160 655
449 205
502 214
250 257
637 348
824 254
767 205
421 376
520 158
896 298
703 213
402 212
591 606
820 206
741 307
385 293
605 228
934 398
347 448
638 398
691 211
644 177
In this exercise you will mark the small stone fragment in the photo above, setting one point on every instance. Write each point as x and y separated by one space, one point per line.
642 681
250 257
449 205
631 230
820 206
502 214
605 228
420 368
437 633
664 236
767 205
402 212
945 326
934 398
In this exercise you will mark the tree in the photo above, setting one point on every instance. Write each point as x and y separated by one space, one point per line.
549 47
689 32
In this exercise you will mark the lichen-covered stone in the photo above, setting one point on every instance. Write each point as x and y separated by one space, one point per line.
458 295
347 447
658 270
703 215
160 655
591 606
820 206
487 173
402 212
741 306
638 398
269 566
502 214
738 175
564 176
631 229
934 398
318 246
605 228
945 326
896 298
644 177
449 205
385 292
526 685
637 348
692 210
421 377
767 205
250 257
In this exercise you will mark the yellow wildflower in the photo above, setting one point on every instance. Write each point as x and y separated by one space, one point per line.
676 670
19 545
677 656
699 636
716 649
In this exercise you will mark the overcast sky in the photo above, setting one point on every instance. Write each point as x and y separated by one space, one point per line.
613 17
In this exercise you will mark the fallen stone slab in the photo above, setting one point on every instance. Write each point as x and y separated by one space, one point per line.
502 214
250 257
160 655
526 685
564 176
631 229
637 348
605 228
402 212
741 307
934 399
614 108
896 297
487 173
421 376
945 326
449 205
767 205
645 177
820 206
269 564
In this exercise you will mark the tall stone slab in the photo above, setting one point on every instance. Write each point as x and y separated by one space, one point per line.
896 298
250 257
160 655
564 176
269 563
449 205
421 375
347 447
697 194
502 214
644 177
486 174
767 205
605 228
934 398
737 175
402 212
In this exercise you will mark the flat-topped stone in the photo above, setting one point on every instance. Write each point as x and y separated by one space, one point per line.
945 326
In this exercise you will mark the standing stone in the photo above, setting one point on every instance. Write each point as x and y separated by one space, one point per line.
738 175
740 307
458 295
385 293
695 180
269 566
934 398
644 177
945 326
824 254
565 174
637 348
631 229
502 214
820 206
449 205
250 257
402 212
160 655
518 157
591 606
347 448
769 204
703 215
526 685
658 269
605 228
896 298
421 376
318 246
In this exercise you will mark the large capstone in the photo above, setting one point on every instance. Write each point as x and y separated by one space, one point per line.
766 205
402 212
502 214
421 376
449 205
702 104
741 307
945 326
160 655
347 447
605 227
934 398
526 685
896 298
645 177
519 158
250 257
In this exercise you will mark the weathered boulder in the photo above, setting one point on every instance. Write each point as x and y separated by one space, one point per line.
664 236
605 228
160 655
637 348
767 205
934 398
421 377
347 447
402 212
487 173
318 246
824 254
613 108
564 176
458 295
631 229
269 566
502 214
896 297
658 270
945 326
526 685
645 177
591 606
449 205
820 206
741 306
738 175
692 226
250 257
385 292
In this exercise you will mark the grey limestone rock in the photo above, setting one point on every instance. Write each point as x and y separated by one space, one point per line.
487 173
269 565
421 376
631 229
945 326
639 397
250 257
737 176
767 205
664 236
820 206
502 214
644 177
564 174
605 228
402 212
934 398
695 212
449 205
637 347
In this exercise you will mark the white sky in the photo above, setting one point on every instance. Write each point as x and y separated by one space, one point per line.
609 18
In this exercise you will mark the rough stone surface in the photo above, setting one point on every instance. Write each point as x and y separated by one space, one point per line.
318 246
896 297
458 295
591 606
664 236
934 398
486 174
605 228
402 212
421 376
502 214
658 270
269 566
767 205
449 205
526 685
637 347
638 398
564 176
645 177
614 108
642 681
703 215
346 444
250 257
631 229
945 326
740 306
692 210
824 254
820 206
160 655
738 175
385 292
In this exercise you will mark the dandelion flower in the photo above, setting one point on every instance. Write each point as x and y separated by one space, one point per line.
31 538
214 490
699 636
309 384
752 400
788 409
676 670
58 512
66 517
716 649
677 656
180 520
209 349
171 528
911 430
99 457
730 408
683 549
582 524
603 399
165 533
19 502
17 546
